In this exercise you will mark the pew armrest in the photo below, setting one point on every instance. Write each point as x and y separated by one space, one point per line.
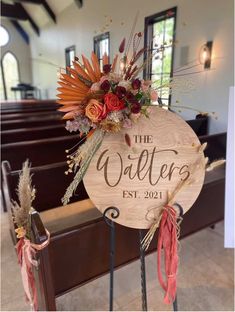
43 273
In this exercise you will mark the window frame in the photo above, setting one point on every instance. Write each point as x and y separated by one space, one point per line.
96 40
3 75
67 58
149 21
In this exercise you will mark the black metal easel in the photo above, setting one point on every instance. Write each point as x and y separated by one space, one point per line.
114 213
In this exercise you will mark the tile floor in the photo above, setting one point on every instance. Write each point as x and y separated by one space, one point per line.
205 279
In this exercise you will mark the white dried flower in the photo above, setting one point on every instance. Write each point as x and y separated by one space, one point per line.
115 116
126 84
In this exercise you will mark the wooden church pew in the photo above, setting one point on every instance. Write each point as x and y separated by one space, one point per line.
216 145
34 115
39 152
79 246
33 122
24 104
28 106
28 110
35 133
199 125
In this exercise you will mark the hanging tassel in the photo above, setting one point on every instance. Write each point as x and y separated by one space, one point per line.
25 258
168 240
26 252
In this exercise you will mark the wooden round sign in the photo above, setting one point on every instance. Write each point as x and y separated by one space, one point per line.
139 170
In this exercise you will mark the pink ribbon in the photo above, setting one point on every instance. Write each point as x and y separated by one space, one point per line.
26 252
167 240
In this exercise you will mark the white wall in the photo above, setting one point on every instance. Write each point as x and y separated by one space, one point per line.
20 49
198 21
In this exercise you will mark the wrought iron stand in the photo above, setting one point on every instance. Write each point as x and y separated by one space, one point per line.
114 213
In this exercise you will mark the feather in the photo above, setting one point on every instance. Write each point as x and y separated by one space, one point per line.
81 71
69 97
72 92
114 63
89 68
82 85
122 46
67 102
69 115
128 139
96 65
68 108
215 164
71 80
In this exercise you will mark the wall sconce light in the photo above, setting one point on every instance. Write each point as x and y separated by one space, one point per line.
205 54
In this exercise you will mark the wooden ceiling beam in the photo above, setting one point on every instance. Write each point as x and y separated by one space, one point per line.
49 11
29 18
13 11
43 3
29 1
79 3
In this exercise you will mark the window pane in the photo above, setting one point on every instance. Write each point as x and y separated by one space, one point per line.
161 33
165 101
169 30
158 34
101 46
104 47
156 80
165 90
11 73
71 57
167 60
157 64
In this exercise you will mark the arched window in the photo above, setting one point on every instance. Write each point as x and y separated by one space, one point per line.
10 73
4 36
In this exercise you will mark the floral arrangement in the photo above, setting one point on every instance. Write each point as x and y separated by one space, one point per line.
97 102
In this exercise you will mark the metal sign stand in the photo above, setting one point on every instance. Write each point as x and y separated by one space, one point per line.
114 213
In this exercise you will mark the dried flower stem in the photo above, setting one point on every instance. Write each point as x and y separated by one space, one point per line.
89 148
26 194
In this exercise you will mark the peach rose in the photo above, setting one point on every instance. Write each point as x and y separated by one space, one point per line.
95 110
113 103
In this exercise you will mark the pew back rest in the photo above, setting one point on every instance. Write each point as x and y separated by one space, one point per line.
25 104
29 110
199 125
33 122
216 145
50 183
35 133
31 116
39 152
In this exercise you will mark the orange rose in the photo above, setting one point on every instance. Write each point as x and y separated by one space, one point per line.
113 103
95 110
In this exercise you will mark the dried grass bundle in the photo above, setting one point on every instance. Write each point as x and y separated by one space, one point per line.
26 195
